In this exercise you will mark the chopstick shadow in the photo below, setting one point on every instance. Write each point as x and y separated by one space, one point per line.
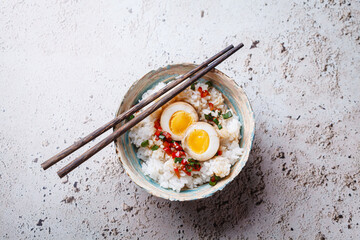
232 205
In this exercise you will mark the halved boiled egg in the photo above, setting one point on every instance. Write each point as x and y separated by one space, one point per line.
201 141
176 118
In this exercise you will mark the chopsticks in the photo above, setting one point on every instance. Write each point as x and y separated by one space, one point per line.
199 71
67 151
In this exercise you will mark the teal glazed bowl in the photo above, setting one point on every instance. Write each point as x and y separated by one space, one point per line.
235 98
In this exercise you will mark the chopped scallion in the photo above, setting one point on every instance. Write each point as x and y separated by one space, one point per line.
145 143
216 121
213 180
212 183
208 117
162 137
193 87
219 126
178 160
227 115
209 84
192 162
155 147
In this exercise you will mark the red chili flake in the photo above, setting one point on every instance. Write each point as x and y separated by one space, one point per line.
157 125
166 144
167 136
184 162
177 146
157 133
200 90
182 153
197 167
176 170
219 153
211 106
204 93
168 150
175 154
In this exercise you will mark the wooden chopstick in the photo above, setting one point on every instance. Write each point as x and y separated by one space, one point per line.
156 105
67 151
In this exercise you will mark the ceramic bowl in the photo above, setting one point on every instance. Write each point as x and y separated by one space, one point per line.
235 98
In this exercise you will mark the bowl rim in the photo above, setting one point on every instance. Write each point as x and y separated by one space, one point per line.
229 178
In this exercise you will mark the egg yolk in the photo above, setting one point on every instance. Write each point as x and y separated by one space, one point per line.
180 121
198 141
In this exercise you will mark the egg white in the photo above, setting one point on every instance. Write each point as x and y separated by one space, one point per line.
214 141
170 110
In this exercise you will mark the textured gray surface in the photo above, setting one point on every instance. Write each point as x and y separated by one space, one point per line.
65 65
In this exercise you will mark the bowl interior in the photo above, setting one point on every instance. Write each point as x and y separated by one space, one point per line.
235 98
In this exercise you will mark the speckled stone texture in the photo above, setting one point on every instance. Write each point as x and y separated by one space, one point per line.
65 65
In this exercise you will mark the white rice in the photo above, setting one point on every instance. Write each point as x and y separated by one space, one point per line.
160 167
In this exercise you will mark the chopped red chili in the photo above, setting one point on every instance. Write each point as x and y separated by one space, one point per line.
219 153
177 146
184 162
176 154
166 144
211 106
176 170
200 90
167 136
204 93
168 151
197 167
186 171
157 133
157 125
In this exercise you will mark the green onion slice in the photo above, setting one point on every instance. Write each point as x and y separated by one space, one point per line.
145 143
227 115
155 147
178 160
212 183
188 168
208 117
216 178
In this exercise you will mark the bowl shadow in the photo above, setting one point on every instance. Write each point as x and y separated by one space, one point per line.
226 208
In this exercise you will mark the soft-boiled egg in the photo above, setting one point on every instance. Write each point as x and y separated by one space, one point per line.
176 118
201 141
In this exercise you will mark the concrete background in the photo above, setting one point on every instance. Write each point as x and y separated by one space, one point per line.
65 65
